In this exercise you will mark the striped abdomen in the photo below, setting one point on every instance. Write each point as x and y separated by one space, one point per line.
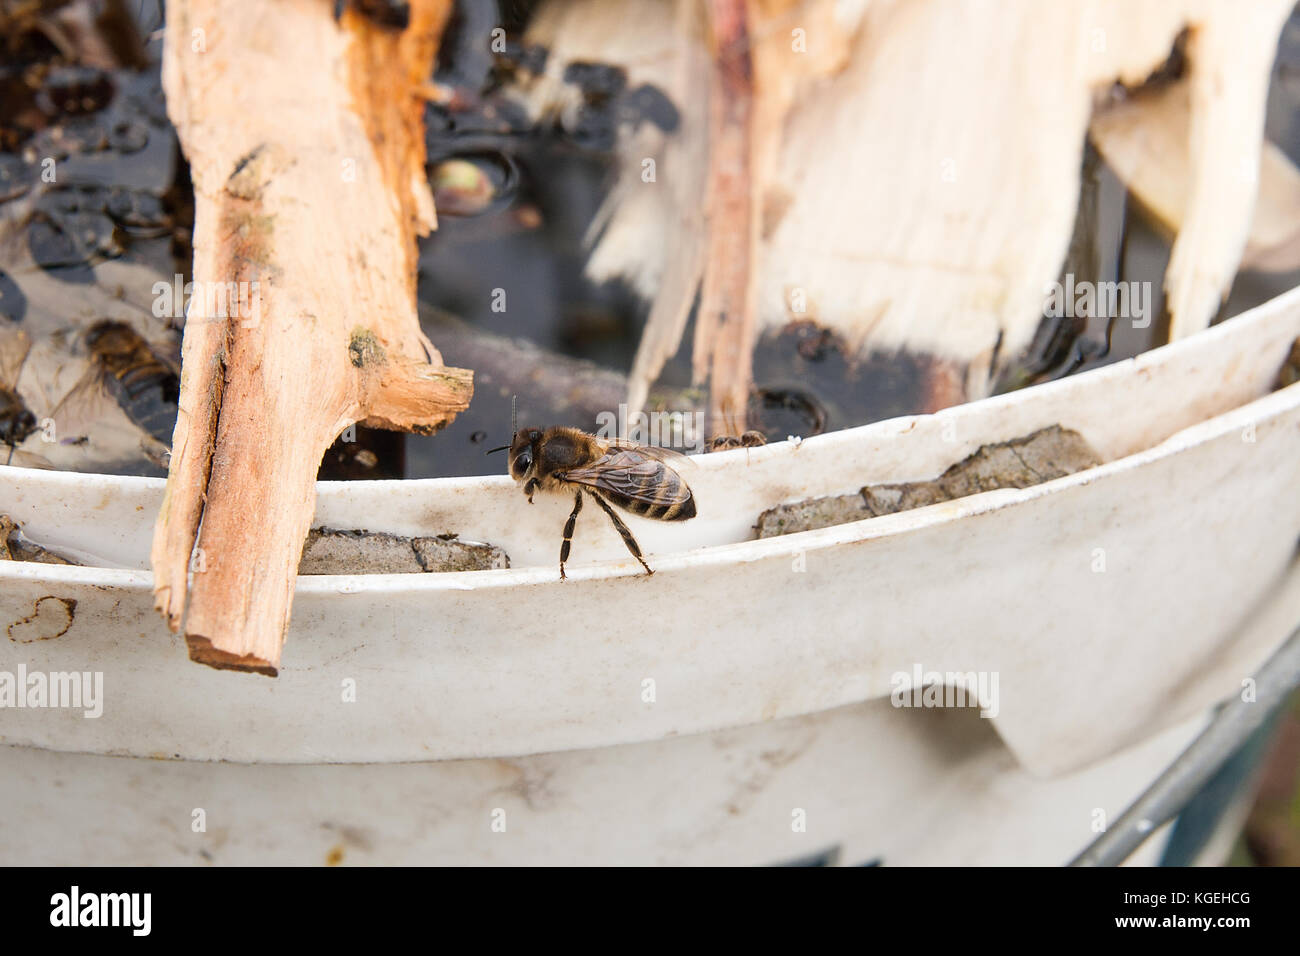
671 499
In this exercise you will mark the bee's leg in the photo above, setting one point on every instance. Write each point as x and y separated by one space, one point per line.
568 531
530 486
622 529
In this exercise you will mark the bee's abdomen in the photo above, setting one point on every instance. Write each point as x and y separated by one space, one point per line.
682 509
679 508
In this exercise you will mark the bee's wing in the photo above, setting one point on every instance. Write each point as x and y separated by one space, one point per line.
24 459
84 405
628 473
14 346
651 451
92 409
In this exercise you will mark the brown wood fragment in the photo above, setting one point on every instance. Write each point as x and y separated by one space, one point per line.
306 152
725 324
576 388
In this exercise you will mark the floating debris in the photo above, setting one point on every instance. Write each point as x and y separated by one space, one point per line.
15 547
13 304
16 420
1289 374
472 184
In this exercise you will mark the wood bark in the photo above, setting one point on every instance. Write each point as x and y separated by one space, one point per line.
305 141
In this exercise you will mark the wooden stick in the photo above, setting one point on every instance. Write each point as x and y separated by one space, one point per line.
306 149
568 386
725 325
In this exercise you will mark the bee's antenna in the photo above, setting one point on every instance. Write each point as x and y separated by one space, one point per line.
514 424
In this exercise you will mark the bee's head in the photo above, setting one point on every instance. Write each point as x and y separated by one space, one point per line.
523 452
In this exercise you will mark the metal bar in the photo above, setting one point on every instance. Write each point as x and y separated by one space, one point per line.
1236 720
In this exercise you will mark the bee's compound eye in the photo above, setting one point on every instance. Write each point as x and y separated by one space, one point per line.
522 463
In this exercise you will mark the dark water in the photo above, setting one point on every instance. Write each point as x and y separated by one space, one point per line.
510 264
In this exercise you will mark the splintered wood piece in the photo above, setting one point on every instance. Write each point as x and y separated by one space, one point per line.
306 148
926 170
650 228
1230 54
934 179
725 323
1145 139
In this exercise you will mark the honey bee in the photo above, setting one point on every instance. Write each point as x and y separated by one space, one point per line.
750 439
123 369
16 420
145 385
634 477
